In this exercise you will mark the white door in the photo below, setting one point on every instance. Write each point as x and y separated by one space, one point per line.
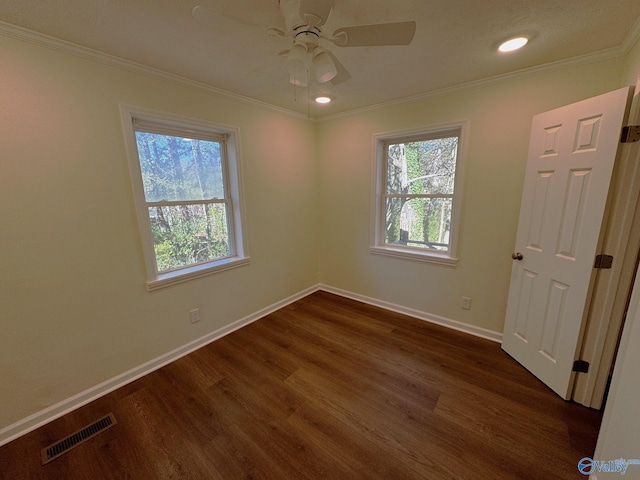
571 156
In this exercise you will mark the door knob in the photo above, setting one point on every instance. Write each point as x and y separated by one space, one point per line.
517 256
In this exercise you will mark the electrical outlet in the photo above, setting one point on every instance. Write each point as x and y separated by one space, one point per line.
194 315
466 303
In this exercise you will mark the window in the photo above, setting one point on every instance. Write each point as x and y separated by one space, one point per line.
185 177
417 195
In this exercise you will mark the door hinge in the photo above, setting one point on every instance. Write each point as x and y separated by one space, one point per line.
630 134
603 261
581 366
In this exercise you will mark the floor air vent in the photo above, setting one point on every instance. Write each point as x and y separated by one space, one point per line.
63 446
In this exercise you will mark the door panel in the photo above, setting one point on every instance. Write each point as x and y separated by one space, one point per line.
571 156
573 215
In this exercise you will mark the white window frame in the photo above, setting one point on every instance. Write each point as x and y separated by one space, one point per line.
379 170
169 124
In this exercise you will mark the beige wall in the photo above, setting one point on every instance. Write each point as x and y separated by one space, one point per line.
499 117
631 70
74 311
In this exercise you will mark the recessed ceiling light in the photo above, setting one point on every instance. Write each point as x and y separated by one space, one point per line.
513 44
323 99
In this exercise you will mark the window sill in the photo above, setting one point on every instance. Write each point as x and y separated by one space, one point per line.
416 256
197 271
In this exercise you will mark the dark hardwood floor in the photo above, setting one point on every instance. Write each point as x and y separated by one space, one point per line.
325 388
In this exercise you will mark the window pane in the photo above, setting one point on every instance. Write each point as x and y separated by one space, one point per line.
188 234
422 167
176 168
418 222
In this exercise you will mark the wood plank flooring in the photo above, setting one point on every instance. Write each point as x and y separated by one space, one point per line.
325 388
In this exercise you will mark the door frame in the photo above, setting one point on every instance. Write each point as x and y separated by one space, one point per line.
609 298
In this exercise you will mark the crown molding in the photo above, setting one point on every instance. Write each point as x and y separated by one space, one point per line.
40 39
632 37
70 48
620 51
497 79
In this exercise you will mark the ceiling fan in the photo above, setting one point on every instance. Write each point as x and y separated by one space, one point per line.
303 25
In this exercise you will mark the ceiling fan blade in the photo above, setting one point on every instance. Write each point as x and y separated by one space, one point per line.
343 75
399 33
317 8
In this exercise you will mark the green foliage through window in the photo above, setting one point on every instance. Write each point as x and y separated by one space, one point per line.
419 190
184 189
188 234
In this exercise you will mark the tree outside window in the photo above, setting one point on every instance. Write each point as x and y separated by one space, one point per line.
417 200
186 182
185 194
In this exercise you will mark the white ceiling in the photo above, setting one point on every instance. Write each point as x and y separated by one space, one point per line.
455 41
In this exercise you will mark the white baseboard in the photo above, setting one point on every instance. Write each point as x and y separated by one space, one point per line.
427 317
59 409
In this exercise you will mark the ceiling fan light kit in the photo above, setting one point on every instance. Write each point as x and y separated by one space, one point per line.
296 63
324 66
299 81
